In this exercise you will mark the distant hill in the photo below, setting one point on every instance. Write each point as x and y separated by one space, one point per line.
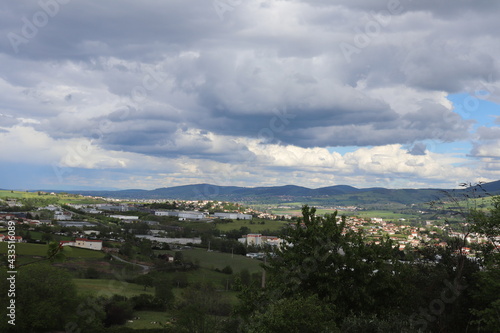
339 194
490 188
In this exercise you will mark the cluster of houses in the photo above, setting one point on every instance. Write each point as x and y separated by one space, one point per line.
261 240
182 215
374 229
405 235
6 238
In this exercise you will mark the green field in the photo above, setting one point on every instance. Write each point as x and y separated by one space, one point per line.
107 287
147 318
57 198
298 212
213 260
384 214
218 260
17 194
28 249
205 275
255 226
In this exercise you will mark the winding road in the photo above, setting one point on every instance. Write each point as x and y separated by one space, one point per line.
144 267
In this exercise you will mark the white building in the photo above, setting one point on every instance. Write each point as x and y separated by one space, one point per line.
259 240
191 215
62 216
125 217
170 240
233 216
115 208
84 244
91 210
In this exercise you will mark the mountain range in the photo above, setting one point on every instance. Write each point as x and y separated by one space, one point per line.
339 194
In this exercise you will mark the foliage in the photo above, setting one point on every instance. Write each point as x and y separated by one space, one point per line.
374 324
327 260
178 257
360 287
227 270
163 290
147 302
118 309
92 273
296 314
145 280
90 315
487 291
487 223
180 280
201 309
45 299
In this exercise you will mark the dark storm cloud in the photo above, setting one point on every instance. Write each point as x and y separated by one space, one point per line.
82 29
248 75
439 7
418 148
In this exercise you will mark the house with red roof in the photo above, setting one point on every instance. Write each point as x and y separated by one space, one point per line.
84 243
6 238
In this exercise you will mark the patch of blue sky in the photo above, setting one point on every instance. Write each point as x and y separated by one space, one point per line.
343 150
476 107
455 148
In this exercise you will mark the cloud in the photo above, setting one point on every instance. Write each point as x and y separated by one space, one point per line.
418 148
268 81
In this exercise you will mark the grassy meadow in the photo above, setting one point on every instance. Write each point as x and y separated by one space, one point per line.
60 198
40 250
255 225
213 260
108 287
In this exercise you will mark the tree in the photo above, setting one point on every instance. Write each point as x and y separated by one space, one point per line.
180 280
487 223
163 290
326 264
178 257
245 277
325 259
202 309
485 295
118 310
45 299
47 237
227 270
145 280
127 249
294 315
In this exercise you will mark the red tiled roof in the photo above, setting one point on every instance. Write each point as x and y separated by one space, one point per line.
88 240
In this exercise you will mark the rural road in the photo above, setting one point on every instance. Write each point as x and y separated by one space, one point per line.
144 267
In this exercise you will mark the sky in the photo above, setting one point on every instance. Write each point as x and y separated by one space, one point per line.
146 94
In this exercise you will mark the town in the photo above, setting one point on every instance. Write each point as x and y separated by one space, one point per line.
157 250
161 225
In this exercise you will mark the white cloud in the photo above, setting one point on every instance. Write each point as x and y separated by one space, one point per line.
183 93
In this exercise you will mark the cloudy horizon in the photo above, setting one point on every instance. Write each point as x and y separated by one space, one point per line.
397 94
